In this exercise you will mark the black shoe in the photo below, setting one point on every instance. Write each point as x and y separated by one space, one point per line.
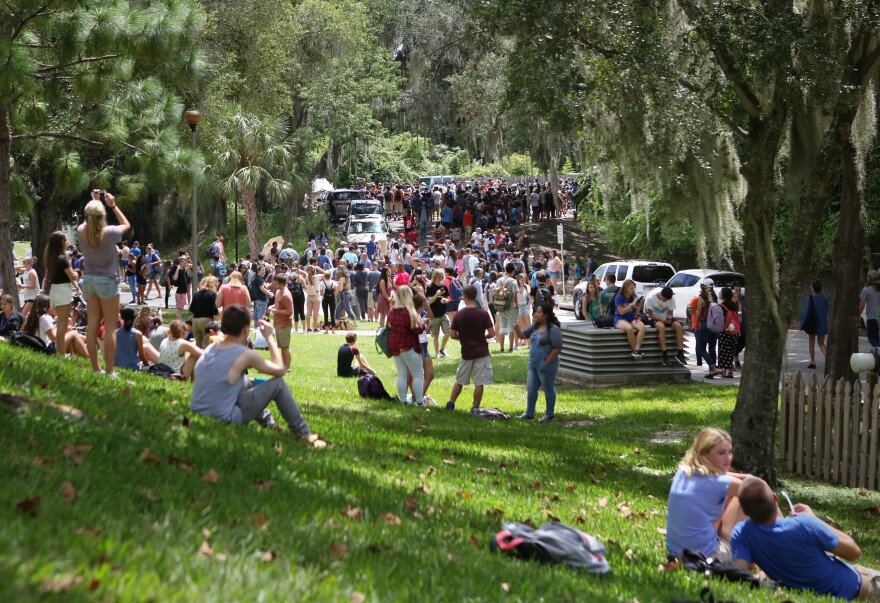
681 359
526 417
737 365
666 359
811 366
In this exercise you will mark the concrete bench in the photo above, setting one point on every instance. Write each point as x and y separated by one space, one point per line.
594 357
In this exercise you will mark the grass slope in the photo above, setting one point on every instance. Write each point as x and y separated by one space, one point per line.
141 501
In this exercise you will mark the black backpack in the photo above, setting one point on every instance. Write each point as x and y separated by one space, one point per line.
296 289
543 295
26 340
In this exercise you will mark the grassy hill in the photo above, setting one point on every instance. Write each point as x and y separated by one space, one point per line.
114 491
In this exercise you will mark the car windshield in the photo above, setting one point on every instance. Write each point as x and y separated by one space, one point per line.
652 273
359 227
365 208
346 196
683 280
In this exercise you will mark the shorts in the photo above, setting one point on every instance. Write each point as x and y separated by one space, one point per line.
553 274
140 280
180 300
525 310
104 287
371 300
282 337
508 320
439 323
313 299
480 369
153 276
60 294
870 588
426 353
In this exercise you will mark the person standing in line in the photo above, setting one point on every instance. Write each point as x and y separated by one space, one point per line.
728 338
740 300
100 282
814 321
204 308
260 294
472 327
437 295
384 297
61 281
869 302
282 317
30 285
405 326
507 304
180 278
545 344
554 268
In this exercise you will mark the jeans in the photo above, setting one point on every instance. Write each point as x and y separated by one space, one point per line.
540 374
259 310
409 362
132 284
362 295
873 332
253 401
344 306
706 342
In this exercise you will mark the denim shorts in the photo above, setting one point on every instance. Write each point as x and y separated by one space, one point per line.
105 287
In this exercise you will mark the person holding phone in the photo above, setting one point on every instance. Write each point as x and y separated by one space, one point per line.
659 307
626 317
100 282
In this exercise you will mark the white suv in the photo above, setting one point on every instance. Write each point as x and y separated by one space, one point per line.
647 275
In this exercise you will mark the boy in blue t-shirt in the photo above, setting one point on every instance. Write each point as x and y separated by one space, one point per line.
793 550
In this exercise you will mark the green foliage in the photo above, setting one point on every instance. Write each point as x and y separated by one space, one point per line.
128 494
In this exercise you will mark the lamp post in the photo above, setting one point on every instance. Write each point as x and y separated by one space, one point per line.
236 229
193 118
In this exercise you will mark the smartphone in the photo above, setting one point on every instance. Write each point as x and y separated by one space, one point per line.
103 196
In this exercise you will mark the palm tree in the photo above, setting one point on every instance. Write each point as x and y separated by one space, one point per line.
253 154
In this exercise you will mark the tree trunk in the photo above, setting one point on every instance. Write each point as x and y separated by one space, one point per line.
251 220
843 323
753 422
7 271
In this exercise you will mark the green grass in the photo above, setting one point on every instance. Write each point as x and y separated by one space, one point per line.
20 248
432 488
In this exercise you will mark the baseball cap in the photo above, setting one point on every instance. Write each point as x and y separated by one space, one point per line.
873 275
708 283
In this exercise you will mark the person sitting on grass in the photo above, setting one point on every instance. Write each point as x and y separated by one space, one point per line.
346 354
222 388
178 353
130 353
40 323
10 319
793 550
703 508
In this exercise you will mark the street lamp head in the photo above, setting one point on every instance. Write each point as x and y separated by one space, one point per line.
192 118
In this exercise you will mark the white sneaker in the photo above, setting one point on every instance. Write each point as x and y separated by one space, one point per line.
113 375
408 400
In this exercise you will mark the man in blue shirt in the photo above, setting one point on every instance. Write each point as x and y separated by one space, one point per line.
793 550
371 247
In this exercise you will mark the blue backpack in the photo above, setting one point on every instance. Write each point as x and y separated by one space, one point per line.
455 290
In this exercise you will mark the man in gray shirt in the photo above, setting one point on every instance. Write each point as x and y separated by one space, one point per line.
221 389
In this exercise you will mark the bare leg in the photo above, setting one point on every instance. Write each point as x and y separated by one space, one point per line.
95 315
640 337
812 339
478 395
733 514
821 339
110 310
61 329
456 390
661 333
188 365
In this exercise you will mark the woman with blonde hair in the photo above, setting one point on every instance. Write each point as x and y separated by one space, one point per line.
204 308
177 352
100 282
234 291
703 507
313 299
345 295
404 327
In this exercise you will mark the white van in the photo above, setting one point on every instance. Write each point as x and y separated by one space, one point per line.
431 181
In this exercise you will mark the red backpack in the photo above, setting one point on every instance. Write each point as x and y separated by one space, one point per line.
731 322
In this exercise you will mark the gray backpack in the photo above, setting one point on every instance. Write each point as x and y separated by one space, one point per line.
553 542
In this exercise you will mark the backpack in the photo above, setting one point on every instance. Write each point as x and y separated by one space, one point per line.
553 542
503 297
26 340
296 289
213 251
490 413
715 318
370 386
604 322
455 290
161 370
382 334
220 269
543 295
731 322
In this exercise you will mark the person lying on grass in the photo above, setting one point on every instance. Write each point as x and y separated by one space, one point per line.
222 388
793 550
703 508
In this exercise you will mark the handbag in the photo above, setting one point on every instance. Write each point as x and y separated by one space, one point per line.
811 320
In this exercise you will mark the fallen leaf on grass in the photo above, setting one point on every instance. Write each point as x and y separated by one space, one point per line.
423 489
495 511
68 492
212 477
149 494
264 485
61 585
75 452
353 513
661 531
259 519
431 470
593 480
268 557
29 506
535 484
180 462
625 511
39 460
205 551
358 597
449 461
505 587
411 504
481 470
474 541
552 517
337 551
391 519
150 459
94 585
629 554
603 502
570 487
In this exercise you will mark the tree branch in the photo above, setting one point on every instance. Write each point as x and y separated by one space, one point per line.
741 89
46 69
735 128
60 135
41 12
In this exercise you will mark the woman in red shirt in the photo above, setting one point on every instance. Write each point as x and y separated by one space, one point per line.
403 345
233 292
